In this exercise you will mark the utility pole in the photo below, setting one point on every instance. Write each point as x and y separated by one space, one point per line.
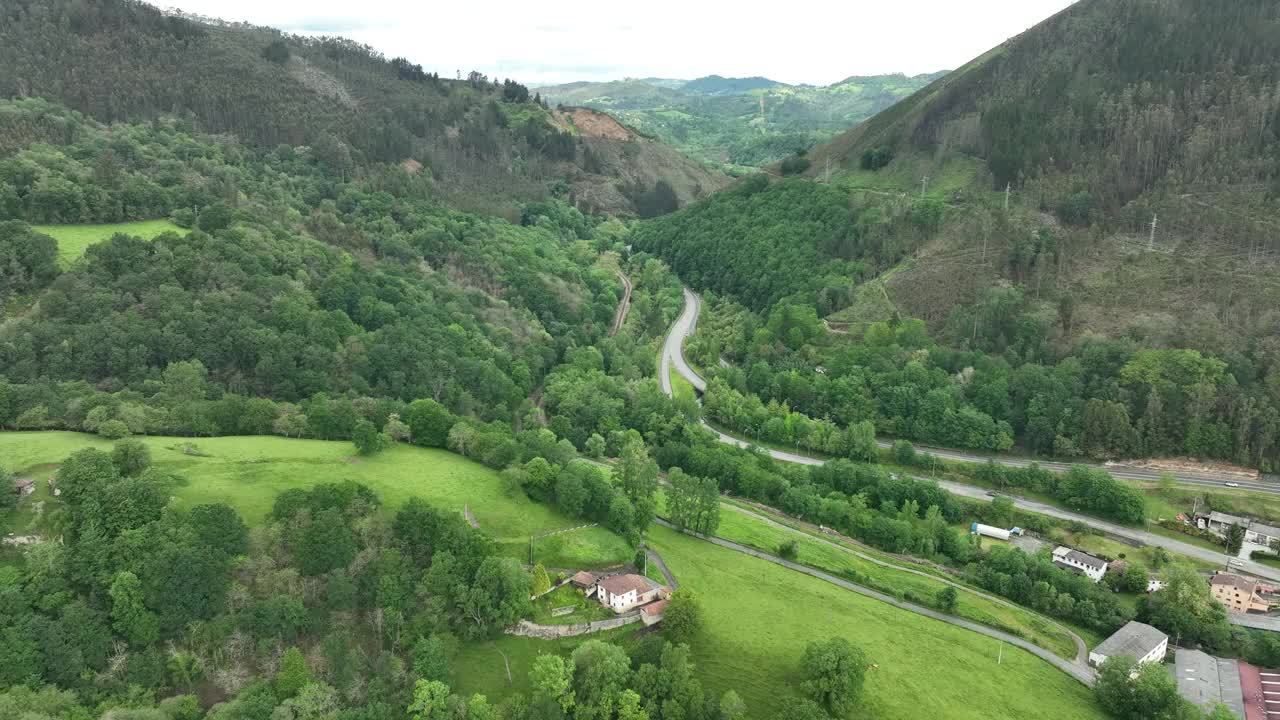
1000 658
1007 188
1151 243
924 185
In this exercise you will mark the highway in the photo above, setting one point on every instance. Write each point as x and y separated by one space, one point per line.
673 358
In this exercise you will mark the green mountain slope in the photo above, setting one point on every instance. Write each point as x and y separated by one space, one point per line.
739 121
1095 199
488 145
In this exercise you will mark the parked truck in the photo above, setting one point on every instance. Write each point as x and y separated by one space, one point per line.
994 532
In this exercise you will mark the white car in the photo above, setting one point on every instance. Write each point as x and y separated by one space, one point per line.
1231 484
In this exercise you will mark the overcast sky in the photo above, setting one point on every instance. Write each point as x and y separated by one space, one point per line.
794 41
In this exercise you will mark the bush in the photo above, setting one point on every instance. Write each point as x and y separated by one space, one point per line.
795 165
789 550
113 430
131 457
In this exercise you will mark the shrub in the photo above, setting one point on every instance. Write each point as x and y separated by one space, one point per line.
788 550
795 165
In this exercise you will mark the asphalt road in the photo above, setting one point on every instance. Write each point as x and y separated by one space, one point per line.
673 357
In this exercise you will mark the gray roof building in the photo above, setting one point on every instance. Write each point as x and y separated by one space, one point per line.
1216 517
1083 558
1258 528
1135 639
1206 680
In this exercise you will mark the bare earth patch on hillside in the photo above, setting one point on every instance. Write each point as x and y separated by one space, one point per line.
1188 465
320 82
596 124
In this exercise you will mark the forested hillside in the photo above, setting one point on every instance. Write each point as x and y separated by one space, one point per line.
1083 219
486 143
740 122
291 283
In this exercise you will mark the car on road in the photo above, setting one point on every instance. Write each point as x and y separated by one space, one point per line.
1231 484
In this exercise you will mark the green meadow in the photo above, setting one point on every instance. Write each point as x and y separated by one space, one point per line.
248 473
759 617
751 531
73 240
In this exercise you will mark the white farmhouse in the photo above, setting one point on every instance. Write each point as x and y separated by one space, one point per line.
623 592
1136 640
1081 563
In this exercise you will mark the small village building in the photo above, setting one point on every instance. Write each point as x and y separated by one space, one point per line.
1081 563
1217 522
585 581
622 592
1239 593
1261 534
1136 640
24 486
652 613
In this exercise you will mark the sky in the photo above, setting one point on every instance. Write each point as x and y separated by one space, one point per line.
792 41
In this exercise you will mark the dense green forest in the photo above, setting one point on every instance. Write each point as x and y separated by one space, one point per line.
291 283
740 123
485 144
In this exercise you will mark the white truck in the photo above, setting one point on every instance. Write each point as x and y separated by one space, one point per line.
993 532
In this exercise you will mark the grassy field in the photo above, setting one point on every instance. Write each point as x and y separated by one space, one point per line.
759 616
248 472
752 532
74 239
481 667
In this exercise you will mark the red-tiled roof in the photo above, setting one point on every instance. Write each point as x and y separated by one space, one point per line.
655 608
585 578
623 584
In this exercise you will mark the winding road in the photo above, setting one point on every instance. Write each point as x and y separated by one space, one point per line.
673 358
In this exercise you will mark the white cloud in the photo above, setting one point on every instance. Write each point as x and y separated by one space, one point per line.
796 41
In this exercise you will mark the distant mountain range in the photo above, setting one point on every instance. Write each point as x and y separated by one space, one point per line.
739 123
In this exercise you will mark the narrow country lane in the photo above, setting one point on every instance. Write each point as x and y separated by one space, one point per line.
673 358
1083 674
620 317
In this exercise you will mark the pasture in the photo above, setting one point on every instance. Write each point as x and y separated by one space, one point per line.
248 473
759 617
750 531
73 240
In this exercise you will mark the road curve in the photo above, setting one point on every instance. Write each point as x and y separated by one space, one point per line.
1082 650
1083 674
687 323
673 358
